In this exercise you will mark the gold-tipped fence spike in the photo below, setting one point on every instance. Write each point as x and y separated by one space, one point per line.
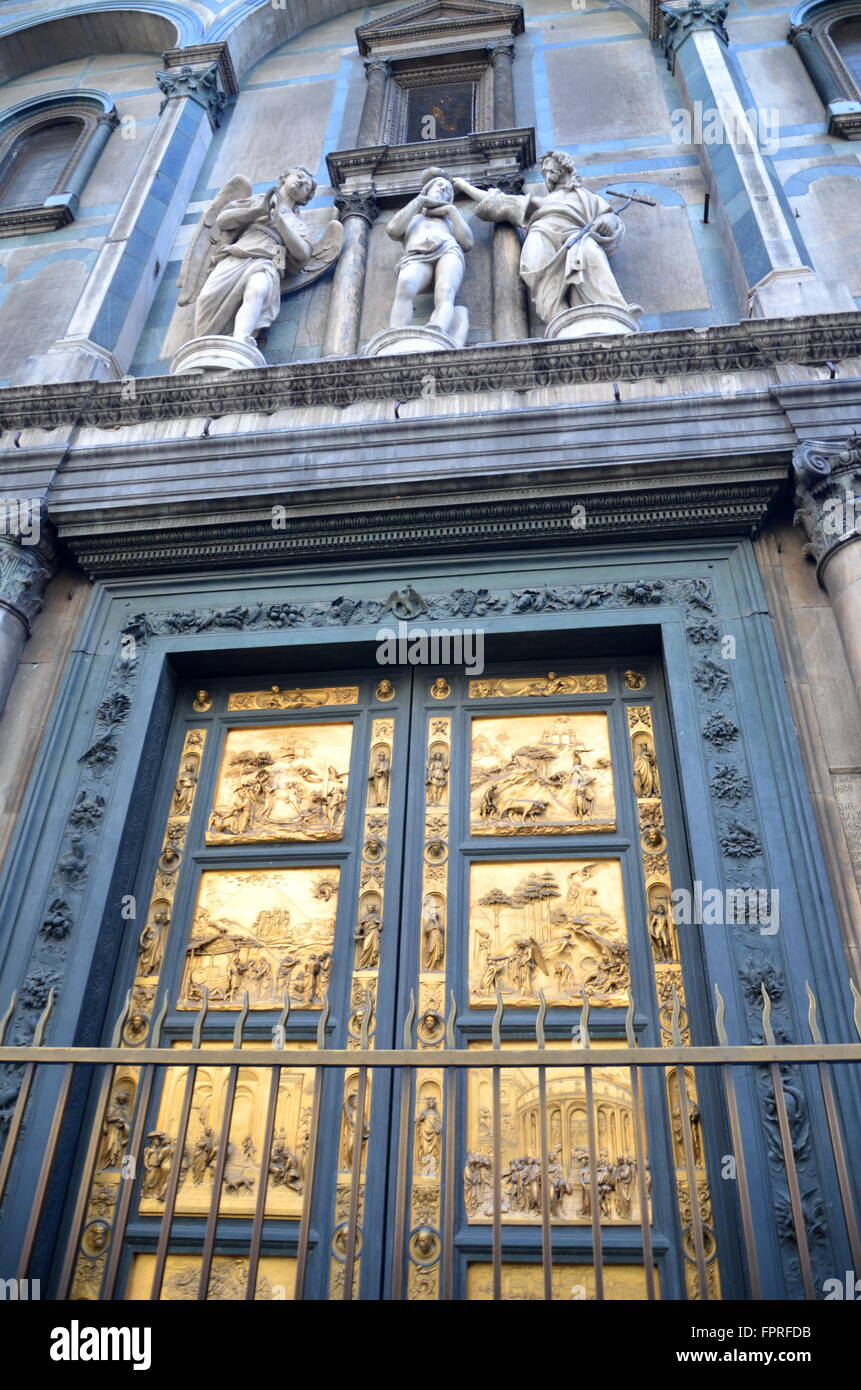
284 1016
539 1019
583 1028
675 1019
240 1022
116 1036
409 1021
322 1025
630 1034
452 1015
496 1024
720 1024
767 1030
39 1033
5 1020
159 1021
365 1030
811 1014
197 1031
856 1012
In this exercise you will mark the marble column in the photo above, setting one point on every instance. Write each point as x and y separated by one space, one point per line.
25 567
844 116
376 72
111 313
501 58
828 506
772 267
510 308
358 211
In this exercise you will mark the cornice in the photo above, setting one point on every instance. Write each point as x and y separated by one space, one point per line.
712 508
494 367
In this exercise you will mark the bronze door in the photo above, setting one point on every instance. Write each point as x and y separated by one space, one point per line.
366 862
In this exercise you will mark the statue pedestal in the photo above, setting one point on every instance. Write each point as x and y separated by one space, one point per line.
588 320
215 353
393 342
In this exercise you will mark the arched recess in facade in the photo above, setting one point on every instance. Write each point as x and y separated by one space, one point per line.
91 29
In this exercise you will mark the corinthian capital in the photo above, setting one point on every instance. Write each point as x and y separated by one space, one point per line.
27 562
357 204
679 23
828 501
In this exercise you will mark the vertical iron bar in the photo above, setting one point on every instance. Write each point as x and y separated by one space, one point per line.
449 1189
641 1156
83 1196
497 1184
741 1178
217 1180
546 1239
45 1170
173 1184
263 1184
355 1181
597 1250
401 1192
693 1191
15 1125
308 1184
795 1199
840 1164
121 1217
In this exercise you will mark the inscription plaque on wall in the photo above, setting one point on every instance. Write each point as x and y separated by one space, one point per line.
847 790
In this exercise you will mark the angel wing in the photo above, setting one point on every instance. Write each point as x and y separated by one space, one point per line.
324 253
206 239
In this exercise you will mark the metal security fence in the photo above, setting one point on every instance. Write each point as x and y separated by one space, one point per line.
422 1251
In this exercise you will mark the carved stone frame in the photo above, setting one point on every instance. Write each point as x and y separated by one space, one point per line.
93 112
730 727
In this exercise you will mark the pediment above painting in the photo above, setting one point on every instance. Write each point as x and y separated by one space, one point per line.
439 19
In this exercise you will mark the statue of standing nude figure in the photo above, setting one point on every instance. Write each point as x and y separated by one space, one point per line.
570 233
435 238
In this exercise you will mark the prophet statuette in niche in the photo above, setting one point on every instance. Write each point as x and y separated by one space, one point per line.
250 248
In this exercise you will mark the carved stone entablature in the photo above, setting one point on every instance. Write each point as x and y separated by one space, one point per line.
204 55
425 24
679 23
750 345
828 502
201 85
357 204
24 571
394 171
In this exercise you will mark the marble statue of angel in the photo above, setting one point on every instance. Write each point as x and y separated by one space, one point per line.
249 249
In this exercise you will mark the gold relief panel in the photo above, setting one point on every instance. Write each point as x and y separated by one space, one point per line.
228 1278
282 782
541 774
278 698
622 1190
267 931
556 925
551 684
245 1163
524 1282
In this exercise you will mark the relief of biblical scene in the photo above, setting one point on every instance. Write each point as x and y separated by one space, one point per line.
267 931
568 1172
522 1282
541 774
246 1165
228 1278
283 782
556 925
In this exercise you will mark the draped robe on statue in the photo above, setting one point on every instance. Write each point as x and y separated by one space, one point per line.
259 247
560 278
